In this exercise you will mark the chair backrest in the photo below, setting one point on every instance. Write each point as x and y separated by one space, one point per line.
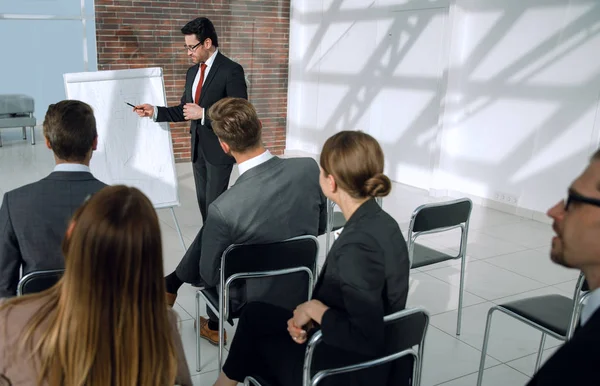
299 251
441 215
404 330
38 281
259 265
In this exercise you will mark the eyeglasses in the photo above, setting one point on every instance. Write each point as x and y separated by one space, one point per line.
576 197
192 48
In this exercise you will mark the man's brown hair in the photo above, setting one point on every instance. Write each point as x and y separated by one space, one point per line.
70 127
235 122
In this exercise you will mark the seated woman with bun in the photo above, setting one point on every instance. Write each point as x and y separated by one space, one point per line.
106 322
365 277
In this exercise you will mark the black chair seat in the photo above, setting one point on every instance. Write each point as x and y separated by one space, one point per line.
552 312
423 256
339 221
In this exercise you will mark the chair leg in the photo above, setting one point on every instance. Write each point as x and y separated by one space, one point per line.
461 291
197 332
221 339
540 353
24 133
33 135
488 325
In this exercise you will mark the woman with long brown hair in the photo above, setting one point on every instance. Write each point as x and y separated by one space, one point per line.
365 277
106 322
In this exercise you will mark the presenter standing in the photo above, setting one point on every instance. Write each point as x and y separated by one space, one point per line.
212 77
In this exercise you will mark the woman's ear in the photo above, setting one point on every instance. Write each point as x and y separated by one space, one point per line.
332 183
70 229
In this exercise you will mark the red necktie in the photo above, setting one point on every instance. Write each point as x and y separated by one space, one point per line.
199 86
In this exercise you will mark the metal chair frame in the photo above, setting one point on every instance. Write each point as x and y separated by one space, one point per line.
462 253
34 275
226 282
417 354
579 298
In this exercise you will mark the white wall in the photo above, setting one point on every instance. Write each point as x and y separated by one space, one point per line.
513 84
40 40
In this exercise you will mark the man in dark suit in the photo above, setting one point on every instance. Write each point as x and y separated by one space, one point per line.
33 218
577 245
272 200
212 77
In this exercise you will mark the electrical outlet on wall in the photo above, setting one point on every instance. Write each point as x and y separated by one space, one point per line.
506 198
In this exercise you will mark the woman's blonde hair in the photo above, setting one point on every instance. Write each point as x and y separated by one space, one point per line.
106 321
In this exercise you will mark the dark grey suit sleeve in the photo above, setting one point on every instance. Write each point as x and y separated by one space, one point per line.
10 254
216 238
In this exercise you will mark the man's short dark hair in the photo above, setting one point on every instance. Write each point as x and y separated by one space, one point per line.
203 29
70 127
235 122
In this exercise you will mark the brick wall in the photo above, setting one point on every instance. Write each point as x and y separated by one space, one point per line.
255 33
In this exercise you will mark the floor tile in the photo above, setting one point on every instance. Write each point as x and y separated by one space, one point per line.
486 280
526 364
447 358
509 338
435 295
500 375
535 265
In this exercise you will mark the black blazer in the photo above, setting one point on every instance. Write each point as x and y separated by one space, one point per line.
365 277
575 362
225 79
33 221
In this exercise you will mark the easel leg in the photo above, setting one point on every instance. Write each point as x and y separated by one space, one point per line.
178 229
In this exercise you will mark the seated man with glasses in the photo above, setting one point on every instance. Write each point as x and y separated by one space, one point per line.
577 245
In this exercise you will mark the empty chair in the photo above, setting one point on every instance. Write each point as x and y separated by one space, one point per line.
434 218
254 261
554 315
405 334
38 281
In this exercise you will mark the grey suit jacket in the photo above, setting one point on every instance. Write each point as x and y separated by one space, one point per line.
33 221
271 202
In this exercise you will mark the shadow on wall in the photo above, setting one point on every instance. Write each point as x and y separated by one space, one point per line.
506 100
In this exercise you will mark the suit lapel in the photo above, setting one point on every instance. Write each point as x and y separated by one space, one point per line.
211 74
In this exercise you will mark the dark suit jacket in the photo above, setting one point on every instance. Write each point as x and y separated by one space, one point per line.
575 362
33 221
225 79
271 202
365 277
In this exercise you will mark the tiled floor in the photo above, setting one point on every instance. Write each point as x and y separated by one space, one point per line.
508 260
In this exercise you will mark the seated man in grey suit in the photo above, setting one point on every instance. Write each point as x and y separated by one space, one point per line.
272 200
33 218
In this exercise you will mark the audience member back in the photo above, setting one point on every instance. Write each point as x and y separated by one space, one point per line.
33 218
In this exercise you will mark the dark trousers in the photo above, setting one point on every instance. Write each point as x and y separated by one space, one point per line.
188 269
263 347
211 180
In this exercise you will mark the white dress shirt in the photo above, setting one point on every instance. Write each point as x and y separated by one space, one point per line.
592 305
209 64
254 162
72 168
